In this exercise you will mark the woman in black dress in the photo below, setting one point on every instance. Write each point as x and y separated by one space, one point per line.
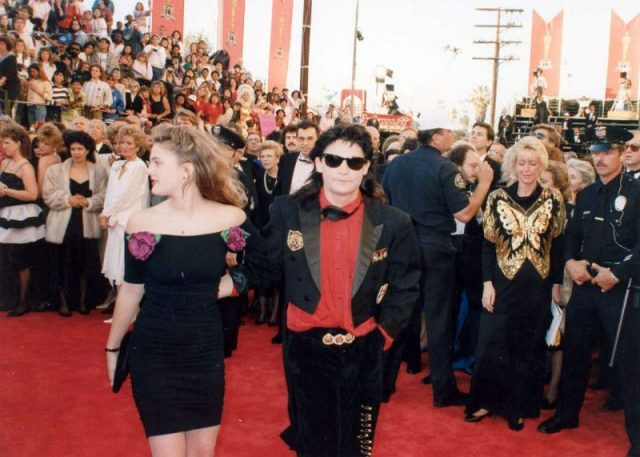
522 270
74 192
175 257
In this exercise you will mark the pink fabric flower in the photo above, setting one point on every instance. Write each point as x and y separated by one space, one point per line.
236 238
142 244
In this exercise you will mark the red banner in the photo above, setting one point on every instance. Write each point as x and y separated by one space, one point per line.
167 16
280 41
624 54
389 122
231 27
546 52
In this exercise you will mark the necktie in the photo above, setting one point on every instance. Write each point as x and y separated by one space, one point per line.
593 254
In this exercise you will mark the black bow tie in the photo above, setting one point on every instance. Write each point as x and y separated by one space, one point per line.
302 159
334 214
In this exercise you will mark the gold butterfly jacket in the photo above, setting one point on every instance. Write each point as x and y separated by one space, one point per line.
521 235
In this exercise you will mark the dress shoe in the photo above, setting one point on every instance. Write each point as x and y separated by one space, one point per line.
613 405
271 323
598 385
413 369
547 405
43 306
477 417
64 312
555 424
457 399
276 339
83 310
261 320
426 379
19 311
516 424
634 451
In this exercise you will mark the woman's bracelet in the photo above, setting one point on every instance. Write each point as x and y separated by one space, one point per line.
111 349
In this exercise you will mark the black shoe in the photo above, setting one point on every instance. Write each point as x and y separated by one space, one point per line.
457 399
426 379
84 310
64 312
555 424
276 339
19 311
261 320
634 451
386 395
613 405
547 405
44 306
598 385
477 418
516 425
271 323
413 370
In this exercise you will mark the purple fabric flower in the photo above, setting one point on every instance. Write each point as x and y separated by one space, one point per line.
142 244
236 238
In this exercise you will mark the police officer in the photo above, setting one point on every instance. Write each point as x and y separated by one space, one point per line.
602 253
431 189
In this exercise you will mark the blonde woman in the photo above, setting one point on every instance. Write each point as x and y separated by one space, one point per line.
522 271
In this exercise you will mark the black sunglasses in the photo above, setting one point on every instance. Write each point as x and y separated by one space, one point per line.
334 161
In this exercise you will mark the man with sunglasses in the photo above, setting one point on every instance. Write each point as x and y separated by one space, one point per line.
351 272
431 189
631 156
602 252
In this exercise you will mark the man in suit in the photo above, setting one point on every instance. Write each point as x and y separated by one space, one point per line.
9 81
482 137
296 168
288 138
351 269
631 156
590 121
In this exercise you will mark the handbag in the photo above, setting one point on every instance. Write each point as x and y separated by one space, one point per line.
556 329
122 364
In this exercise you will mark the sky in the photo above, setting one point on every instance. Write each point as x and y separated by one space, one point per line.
410 37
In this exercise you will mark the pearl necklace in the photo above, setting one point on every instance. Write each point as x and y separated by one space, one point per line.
266 187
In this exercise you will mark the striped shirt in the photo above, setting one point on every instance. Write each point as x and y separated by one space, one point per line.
97 93
60 94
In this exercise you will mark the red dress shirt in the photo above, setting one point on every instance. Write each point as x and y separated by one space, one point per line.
339 245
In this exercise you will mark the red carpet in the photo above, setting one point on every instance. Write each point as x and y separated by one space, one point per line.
55 402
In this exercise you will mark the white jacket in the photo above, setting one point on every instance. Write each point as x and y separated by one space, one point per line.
55 193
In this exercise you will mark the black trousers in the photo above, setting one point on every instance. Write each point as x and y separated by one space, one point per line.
629 361
587 306
436 289
337 391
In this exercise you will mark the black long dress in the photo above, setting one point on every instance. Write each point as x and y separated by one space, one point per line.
523 263
177 367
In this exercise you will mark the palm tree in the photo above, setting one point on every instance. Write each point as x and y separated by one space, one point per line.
480 99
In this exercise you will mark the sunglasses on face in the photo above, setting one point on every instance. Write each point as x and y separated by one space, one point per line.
334 161
633 147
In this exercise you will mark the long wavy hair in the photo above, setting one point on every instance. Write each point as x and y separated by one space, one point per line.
351 134
214 177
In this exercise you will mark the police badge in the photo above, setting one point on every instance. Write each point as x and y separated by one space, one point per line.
459 181
294 240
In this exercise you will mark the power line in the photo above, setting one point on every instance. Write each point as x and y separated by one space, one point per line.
498 44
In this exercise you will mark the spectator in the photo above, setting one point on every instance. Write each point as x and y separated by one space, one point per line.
99 26
142 69
97 93
157 56
39 94
77 100
141 15
71 12
9 82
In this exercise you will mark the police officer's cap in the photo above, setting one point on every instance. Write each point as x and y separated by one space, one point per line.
608 136
227 136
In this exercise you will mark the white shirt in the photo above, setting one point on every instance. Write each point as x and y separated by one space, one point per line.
301 173
157 55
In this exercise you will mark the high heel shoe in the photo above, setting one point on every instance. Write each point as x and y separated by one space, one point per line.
21 310
516 425
477 417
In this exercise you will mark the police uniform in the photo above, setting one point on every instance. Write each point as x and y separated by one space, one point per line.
604 229
431 189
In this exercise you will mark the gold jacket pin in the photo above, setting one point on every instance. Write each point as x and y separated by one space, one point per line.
380 255
294 240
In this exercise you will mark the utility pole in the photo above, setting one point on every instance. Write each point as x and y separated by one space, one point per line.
498 44
356 37
304 61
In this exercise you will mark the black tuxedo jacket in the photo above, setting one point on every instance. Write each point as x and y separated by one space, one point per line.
286 166
497 172
387 274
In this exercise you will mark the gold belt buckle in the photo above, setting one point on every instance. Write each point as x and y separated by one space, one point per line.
329 339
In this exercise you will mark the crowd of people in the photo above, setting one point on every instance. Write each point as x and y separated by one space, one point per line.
137 175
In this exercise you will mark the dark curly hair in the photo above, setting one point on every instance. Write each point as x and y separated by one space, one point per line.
78 136
352 134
